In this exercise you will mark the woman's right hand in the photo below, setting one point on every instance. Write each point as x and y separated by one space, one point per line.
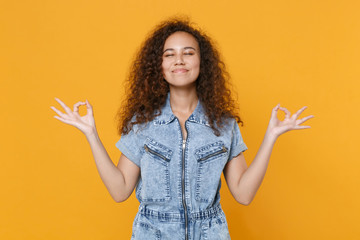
85 124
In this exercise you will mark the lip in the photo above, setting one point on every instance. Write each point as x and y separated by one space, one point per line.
180 70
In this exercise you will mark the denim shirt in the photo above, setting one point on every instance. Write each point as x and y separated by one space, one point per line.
180 176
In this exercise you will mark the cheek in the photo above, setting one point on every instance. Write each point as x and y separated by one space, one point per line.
163 69
164 65
197 65
196 62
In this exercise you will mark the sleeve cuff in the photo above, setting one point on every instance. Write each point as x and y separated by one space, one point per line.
124 150
237 150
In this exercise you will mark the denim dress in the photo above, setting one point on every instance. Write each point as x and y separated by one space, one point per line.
179 183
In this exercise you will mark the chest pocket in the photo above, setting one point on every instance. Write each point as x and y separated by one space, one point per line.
155 176
211 160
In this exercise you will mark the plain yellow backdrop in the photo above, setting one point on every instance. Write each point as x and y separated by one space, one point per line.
296 53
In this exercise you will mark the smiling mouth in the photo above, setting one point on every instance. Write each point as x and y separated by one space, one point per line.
182 70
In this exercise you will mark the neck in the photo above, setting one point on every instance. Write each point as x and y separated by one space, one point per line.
183 101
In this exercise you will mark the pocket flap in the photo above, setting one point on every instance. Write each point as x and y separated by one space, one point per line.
158 149
210 151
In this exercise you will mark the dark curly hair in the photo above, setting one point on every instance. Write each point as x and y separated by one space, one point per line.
147 88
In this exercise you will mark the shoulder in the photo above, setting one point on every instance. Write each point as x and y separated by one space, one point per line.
229 124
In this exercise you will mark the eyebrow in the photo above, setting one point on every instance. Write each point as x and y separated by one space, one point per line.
171 49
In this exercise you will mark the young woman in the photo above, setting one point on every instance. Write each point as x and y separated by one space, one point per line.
180 131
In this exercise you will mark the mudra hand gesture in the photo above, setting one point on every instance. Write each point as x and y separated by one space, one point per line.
85 124
277 127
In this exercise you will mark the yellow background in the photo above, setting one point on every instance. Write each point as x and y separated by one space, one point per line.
295 53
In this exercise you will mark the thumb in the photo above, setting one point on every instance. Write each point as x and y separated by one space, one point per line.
275 110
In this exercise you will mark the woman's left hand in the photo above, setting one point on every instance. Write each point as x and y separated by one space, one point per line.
277 127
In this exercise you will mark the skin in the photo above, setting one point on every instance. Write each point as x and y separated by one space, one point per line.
181 61
181 67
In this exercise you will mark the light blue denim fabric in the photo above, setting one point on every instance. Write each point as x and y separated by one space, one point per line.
179 190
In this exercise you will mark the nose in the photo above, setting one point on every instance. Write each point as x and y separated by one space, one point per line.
179 60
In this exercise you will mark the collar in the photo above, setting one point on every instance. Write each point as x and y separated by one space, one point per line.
167 115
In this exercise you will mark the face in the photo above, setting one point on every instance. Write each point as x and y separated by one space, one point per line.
181 60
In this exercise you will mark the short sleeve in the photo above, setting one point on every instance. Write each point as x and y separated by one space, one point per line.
129 146
237 142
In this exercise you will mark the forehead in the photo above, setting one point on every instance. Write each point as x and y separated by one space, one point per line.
181 40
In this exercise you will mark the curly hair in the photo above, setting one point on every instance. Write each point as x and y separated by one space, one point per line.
147 88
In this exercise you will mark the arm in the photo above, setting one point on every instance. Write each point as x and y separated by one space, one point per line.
243 181
121 180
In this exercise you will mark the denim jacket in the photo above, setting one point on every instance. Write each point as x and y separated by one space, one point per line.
180 179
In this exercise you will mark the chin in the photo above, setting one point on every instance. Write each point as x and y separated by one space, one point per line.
182 85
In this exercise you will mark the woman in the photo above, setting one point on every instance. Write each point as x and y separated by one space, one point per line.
179 132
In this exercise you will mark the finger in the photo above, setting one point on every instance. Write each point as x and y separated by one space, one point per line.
301 127
301 121
58 112
297 114
274 111
287 113
276 107
89 107
64 120
66 108
76 106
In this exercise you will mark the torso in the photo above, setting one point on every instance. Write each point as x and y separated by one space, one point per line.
178 175
182 118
